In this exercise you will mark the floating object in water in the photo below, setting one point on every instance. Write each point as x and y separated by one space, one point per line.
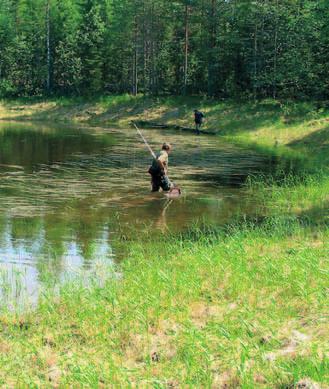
174 192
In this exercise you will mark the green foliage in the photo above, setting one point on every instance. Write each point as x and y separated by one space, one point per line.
250 48
242 308
91 44
7 88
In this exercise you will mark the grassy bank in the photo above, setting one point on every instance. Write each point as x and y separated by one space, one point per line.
241 308
300 125
296 129
245 307
305 196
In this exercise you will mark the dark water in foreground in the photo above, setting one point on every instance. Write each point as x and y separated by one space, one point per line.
69 197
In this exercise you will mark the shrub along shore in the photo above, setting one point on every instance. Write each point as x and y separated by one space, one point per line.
245 306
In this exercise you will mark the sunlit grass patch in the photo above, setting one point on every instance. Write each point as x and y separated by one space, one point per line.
244 307
306 195
268 122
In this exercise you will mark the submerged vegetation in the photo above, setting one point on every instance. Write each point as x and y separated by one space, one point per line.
240 302
242 306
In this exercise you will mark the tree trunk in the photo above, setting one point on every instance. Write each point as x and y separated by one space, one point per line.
275 52
186 48
135 62
48 45
153 50
212 46
255 61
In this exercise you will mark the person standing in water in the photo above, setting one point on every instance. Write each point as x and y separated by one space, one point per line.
198 118
159 170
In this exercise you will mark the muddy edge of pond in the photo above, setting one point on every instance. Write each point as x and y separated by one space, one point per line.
149 124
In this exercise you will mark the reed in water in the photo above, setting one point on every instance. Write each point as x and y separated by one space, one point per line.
241 306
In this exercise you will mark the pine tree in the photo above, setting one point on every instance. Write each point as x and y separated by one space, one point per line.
91 44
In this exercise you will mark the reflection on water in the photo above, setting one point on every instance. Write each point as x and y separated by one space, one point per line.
70 197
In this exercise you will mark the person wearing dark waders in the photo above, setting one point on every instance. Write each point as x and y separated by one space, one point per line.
198 118
159 170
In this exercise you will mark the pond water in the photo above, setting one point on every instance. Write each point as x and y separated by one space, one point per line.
70 196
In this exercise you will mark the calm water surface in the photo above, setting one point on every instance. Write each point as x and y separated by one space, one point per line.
69 197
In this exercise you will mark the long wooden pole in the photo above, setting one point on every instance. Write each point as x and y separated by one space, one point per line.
145 141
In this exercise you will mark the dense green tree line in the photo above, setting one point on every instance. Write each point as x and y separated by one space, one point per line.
224 48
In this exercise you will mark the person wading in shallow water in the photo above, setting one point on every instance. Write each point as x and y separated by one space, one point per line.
159 170
198 118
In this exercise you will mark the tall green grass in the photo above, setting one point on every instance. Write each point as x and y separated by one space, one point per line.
245 306
304 195
241 307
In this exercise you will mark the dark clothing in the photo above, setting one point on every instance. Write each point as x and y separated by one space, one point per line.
198 116
197 128
154 169
162 182
159 177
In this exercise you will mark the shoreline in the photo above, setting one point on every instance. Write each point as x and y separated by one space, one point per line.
269 122
244 306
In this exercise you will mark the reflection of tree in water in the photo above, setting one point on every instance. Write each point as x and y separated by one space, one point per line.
44 240
52 250
66 210
22 229
87 231
3 225
23 145
24 233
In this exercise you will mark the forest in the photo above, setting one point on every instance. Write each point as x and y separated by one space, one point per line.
105 283
221 48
